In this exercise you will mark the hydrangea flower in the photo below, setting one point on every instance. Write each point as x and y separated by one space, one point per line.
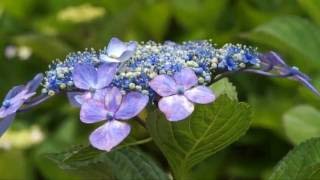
118 51
228 63
114 84
92 80
179 93
272 62
15 98
115 109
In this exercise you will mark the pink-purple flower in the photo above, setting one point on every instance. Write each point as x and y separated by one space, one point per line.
92 80
179 93
118 51
115 109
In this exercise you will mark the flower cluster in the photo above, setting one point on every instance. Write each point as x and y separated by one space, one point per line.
145 61
116 83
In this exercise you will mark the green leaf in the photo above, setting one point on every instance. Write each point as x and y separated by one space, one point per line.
159 11
195 14
125 163
302 123
293 35
209 129
303 162
312 7
224 86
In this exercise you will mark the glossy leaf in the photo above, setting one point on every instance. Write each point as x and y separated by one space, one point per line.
302 123
224 86
125 163
209 129
293 35
303 162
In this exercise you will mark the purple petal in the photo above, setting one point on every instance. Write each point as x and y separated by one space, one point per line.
307 84
164 85
84 76
176 107
93 111
200 95
186 78
132 104
74 97
272 58
5 123
113 99
14 91
106 73
15 105
81 99
116 48
129 52
100 95
23 95
34 83
109 135
107 59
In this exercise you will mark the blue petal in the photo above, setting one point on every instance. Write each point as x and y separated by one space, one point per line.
132 104
116 48
14 91
5 123
34 83
85 76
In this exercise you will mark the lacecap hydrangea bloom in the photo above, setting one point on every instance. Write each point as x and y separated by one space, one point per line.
116 83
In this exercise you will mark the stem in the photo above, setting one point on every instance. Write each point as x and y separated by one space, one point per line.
143 141
267 73
225 74
35 99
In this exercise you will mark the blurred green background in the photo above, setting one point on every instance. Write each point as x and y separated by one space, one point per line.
35 32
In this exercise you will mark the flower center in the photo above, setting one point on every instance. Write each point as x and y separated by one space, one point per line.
110 116
92 90
6 104
180 90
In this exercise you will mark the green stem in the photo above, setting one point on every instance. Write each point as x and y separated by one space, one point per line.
143 141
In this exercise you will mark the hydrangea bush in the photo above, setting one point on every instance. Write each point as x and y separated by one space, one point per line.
115 84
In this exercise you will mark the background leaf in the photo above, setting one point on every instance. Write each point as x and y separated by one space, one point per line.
125 164
45 47
293 35
303 162
302 123
17 170
312 7
209 129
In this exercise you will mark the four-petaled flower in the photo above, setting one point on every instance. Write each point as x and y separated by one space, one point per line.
118 51
115 109
15 98
228 63
179 93
273 62
92 80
